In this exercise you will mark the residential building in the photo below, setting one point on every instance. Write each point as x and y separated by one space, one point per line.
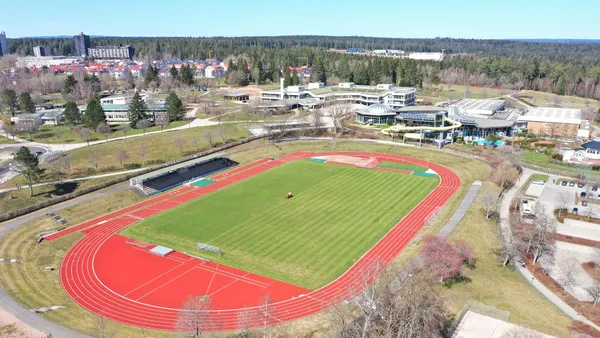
3 44
53 116
214 71
44 61
41 51
555 122
587 154
82 43
111 52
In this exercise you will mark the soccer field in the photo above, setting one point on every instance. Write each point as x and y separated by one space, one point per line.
337 213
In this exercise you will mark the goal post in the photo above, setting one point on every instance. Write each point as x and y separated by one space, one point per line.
209 248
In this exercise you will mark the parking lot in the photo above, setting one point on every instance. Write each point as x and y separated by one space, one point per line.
552 192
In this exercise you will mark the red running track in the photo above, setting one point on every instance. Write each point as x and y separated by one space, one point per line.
87 271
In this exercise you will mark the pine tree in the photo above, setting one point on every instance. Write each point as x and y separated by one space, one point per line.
94 81
318 71
287 79
72 114
28 165
175 107
173 71
560 86
186 76
260 72
26 103
151 75
275 73
10 102
295 78
137 110
94 114
243 73
70 83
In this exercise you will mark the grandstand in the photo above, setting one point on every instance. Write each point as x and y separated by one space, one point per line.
169 177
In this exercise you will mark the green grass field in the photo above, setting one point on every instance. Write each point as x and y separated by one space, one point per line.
402 166
336 215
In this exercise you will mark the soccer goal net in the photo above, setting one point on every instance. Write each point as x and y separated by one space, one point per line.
209 248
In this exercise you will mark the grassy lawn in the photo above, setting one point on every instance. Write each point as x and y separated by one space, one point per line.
402 166
308 240
499 286
4 140
161 148
444 92
13 200
46 133
542 99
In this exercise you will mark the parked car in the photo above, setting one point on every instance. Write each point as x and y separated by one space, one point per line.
583 194
38 153
538 182
584 203
563 183
580 185
575 211
571 184
595 188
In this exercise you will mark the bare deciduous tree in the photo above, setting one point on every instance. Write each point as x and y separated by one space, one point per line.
104 129
84 133
567 272
161 119
339 111
143 150
104 328
488 203
208 136
10 129
506 175
544 226
594 291
316 120
193 318
244 322
562 201
223 134
121 156
143 124
95 159
124 128
178 142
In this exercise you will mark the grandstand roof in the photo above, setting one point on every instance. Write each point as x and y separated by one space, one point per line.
175 167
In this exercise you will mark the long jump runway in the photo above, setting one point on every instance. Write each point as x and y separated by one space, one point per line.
109 276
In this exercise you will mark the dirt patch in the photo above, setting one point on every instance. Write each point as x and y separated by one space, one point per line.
592 269
251 90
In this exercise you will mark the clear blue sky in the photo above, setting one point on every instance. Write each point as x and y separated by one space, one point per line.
575 19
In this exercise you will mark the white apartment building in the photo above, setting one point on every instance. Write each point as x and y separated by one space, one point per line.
41 61
214 71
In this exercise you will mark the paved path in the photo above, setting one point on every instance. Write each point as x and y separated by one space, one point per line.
462 209
75 179
528 276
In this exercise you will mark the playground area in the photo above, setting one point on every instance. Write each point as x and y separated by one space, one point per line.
120 278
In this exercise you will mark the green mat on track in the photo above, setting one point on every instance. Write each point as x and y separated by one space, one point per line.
318 160
417 173
202 182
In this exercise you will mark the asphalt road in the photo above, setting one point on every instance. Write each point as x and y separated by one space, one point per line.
5 169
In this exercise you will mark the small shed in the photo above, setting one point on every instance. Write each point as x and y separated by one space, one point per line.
236 97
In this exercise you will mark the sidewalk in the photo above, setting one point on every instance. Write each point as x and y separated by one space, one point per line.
528 276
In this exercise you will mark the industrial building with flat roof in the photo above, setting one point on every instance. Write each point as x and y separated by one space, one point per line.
555 122
478 107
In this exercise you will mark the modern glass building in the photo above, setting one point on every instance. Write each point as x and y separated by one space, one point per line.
376 114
